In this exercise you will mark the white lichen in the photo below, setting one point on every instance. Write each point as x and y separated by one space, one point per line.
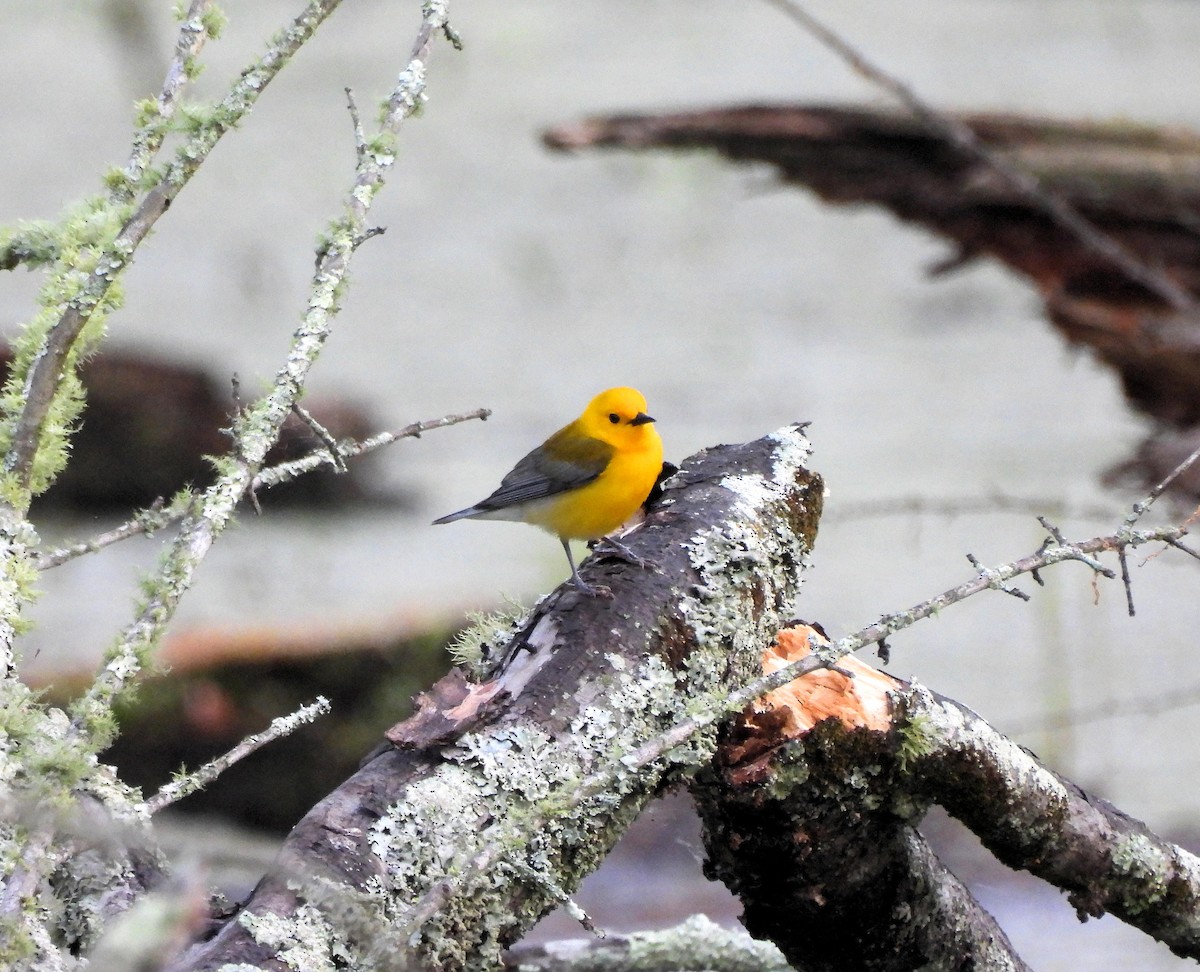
518 783
305 941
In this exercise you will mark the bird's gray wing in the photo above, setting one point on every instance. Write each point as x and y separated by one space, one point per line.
550 469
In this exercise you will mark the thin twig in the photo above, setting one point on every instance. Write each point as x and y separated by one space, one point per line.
994 584
153 518
1140 507
963 137
1179 545
1154 705
193 33
257 428
996 503
1124 562
360 138
331 445
158 516
285 471
281 726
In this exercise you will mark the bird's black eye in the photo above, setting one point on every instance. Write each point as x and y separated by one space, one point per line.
614 417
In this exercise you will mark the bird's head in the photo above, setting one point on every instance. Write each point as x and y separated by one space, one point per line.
618 416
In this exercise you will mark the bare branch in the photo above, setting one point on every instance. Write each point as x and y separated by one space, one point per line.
825 655
1178 545
962 506
281 726
147 521
1123 559
1155 705
331 446
1145 503
961 135
285 471
824 857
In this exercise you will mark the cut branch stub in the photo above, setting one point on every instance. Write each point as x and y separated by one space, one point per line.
811 809
450 849
802 819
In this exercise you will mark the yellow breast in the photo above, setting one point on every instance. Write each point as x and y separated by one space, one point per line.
597 509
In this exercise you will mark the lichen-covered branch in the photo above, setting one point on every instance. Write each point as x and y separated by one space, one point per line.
281 726
806 820
34 848
480 817
88 252
1032 818
61 816
256 429
287 471
39 372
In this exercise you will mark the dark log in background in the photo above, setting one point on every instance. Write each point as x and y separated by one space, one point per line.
1140 185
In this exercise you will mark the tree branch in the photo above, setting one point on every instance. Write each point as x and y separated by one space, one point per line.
112 256
1032 818
810 814
257 428
158 515
281 726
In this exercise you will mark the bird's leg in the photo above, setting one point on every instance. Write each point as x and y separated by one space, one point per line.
589 590
610 547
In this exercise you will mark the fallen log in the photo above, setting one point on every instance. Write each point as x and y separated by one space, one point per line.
450 843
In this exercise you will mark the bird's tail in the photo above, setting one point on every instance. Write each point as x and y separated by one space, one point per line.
460 515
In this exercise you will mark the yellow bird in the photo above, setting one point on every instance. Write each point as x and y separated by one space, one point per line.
584 481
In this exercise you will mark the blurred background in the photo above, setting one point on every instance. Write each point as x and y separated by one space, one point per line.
525 281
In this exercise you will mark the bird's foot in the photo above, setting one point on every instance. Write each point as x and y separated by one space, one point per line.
598 591
608 547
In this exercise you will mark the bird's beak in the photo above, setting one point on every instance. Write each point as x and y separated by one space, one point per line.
640 419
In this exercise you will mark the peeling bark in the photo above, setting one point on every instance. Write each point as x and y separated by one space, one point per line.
440 854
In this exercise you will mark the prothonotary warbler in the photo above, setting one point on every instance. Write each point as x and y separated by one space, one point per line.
584 481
